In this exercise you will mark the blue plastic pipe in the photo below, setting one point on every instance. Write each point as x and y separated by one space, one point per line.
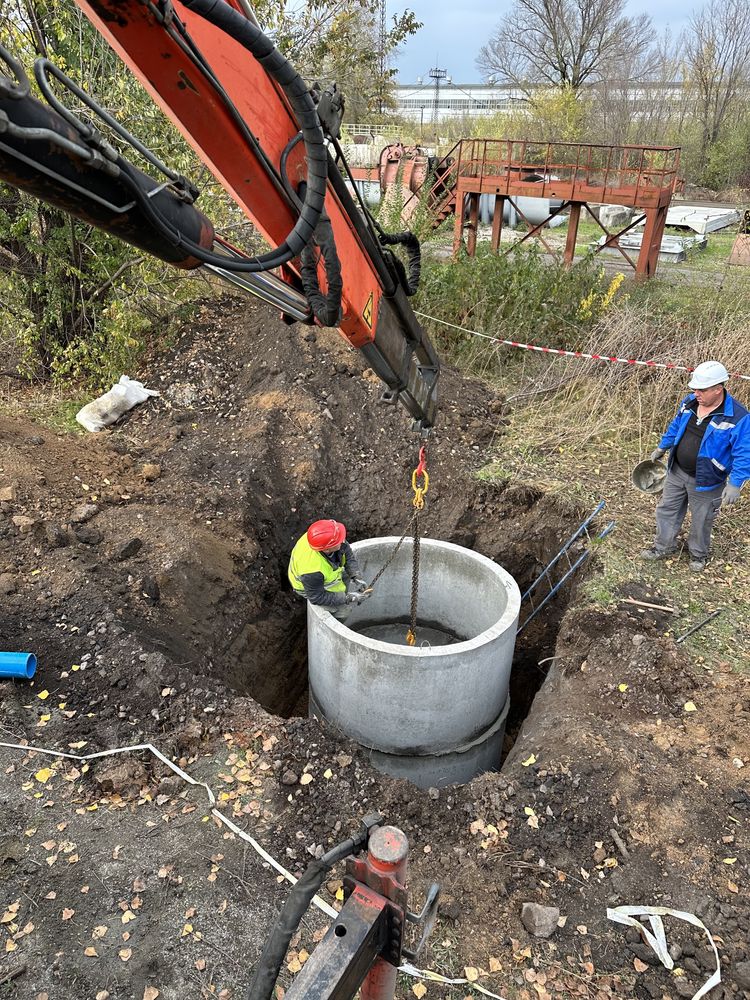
17 665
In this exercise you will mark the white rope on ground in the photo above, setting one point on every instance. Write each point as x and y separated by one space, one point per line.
435 977
658 940
581 355
407 969
320 903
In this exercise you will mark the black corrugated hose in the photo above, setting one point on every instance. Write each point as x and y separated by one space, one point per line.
410 281
326 308
277 66
295 907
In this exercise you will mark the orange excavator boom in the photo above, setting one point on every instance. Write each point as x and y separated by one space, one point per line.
253 121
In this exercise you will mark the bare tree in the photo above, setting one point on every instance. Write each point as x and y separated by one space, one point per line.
564 43
716 49
644 101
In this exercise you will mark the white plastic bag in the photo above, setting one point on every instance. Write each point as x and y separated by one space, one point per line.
105 410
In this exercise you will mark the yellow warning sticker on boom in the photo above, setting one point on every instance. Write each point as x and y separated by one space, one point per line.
367 311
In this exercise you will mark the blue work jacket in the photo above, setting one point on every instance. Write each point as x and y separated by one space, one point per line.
725 449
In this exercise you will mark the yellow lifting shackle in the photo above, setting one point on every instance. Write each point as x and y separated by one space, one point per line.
418 502
420 472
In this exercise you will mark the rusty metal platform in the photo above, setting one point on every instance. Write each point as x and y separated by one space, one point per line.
575 174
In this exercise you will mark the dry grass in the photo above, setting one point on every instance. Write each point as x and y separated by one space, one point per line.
54 406
580 427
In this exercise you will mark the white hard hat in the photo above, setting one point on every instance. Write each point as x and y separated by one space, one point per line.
707 374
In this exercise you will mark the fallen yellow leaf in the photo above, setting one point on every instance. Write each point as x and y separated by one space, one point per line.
529 761
43 695
43 775
622 688
689 706
419 990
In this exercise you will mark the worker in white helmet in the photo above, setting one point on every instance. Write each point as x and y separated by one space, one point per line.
709 462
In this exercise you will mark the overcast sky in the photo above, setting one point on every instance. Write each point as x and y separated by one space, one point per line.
455 30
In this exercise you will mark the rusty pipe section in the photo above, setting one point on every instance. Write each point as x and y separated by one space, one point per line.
41 154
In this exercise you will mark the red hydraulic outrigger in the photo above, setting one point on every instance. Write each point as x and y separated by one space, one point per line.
267 138
364 946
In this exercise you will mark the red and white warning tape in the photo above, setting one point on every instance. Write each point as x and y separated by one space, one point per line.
570 354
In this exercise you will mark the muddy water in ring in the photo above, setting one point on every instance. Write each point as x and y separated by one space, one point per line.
428 633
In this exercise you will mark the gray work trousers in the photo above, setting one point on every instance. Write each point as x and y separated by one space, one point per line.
679 496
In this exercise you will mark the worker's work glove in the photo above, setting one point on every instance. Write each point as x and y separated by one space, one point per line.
657 454
730 495
359 584
353 598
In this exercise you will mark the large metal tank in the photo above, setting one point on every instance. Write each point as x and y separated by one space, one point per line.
435 712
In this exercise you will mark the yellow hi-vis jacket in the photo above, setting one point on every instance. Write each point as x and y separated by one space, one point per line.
305 563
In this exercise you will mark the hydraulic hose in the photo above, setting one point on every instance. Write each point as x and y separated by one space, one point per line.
295 907
326 308
408 281
410 243
224 17
42 154
297 902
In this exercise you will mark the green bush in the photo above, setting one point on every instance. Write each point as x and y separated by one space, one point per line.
519 296
729 158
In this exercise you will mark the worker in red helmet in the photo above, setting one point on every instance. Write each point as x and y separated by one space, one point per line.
321 565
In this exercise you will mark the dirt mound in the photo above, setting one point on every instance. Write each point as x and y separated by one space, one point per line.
146 567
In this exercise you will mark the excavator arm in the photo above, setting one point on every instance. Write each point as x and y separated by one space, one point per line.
253 122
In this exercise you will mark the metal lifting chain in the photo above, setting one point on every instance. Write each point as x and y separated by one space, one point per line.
418 503
420 473
393 554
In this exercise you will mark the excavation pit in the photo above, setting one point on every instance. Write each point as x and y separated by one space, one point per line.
435 712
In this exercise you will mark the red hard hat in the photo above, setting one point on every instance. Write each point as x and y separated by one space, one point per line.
325 535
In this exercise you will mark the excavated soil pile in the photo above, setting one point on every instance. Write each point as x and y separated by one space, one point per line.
146 567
